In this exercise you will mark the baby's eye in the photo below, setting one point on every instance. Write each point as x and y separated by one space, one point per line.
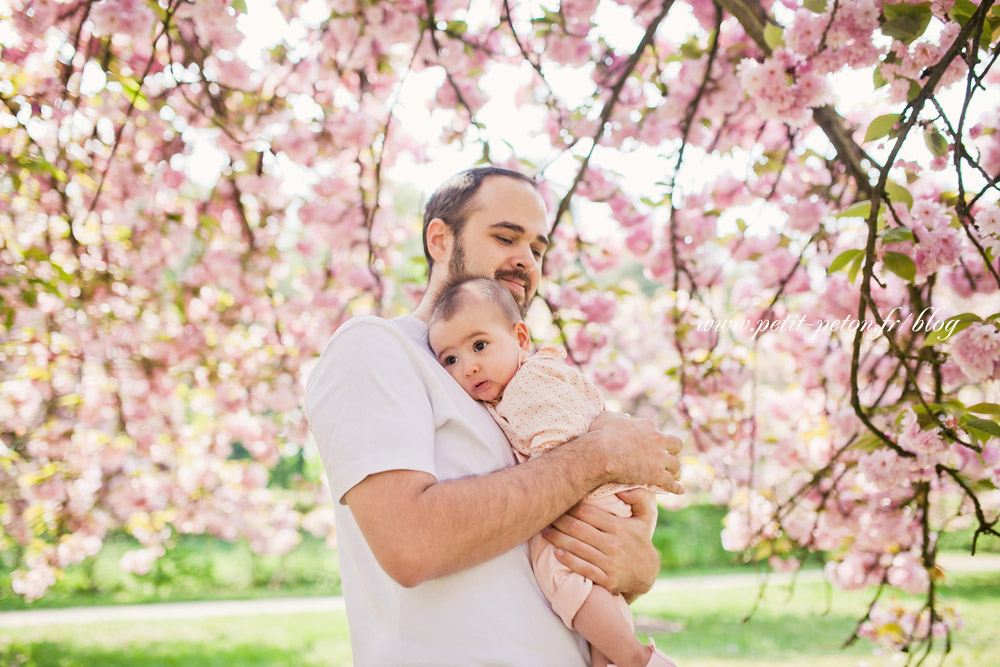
480 345
448 361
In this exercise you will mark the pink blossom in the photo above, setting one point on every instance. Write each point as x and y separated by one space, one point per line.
33 583
855 571
882 467
139 561
928 446
939 247
976 350
908 574
77 547
987 220
926 214
614 377
735 534
597 185
639 240
568 50
127 17
319 523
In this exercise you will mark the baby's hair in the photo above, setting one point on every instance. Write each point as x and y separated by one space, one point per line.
457 292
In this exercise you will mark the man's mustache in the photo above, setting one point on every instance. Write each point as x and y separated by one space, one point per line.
514 274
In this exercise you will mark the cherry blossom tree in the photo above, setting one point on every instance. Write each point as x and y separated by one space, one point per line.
807 286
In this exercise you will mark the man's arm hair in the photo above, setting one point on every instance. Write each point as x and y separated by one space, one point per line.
420 529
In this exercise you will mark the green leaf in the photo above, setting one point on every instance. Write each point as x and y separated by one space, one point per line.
971 318
950 327
134 89
901 265
861 209
991 30
774 36
691 49
962 11
29 297
906 22
936 143
983 426
897 192
878 79
868 442
817 6
897 235
843 259
37 254
240 6
852 273
881 126
985 408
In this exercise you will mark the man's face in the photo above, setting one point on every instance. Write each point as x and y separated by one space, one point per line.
504 237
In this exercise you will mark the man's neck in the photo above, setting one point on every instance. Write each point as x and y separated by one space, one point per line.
425 308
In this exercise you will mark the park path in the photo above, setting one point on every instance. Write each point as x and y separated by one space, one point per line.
298 605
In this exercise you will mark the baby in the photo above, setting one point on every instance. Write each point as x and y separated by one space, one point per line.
477 334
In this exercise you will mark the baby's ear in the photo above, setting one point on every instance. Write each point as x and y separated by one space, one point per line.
523 337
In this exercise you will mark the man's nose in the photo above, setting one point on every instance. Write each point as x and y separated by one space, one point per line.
525 259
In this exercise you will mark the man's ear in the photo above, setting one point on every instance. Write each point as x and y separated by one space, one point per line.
523 338
439 240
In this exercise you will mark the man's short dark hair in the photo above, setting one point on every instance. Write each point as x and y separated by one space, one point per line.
457 292
453 200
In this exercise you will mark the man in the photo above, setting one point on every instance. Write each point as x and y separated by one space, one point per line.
432 514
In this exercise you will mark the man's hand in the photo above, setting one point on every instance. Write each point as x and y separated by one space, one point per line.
615 553
636 452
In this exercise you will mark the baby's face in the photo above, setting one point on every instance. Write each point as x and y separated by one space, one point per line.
480 349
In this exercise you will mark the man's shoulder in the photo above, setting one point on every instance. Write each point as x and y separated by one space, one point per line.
369 330
364 343
364 322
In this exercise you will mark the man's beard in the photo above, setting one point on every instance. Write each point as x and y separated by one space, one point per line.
456 268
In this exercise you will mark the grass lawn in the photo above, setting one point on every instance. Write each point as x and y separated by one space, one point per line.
796 631
198 567
807 628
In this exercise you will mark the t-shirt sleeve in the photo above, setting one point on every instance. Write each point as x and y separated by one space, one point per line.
548 403
368 407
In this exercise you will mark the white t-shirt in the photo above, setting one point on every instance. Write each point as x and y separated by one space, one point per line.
378 400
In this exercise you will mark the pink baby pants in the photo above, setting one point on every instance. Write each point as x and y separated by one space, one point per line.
564 589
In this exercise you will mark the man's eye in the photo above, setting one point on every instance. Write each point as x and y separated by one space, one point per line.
480 346
504 240
537 254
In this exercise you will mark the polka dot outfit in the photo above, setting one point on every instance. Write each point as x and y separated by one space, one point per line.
546 403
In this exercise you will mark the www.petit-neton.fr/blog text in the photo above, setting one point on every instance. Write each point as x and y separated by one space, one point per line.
926 321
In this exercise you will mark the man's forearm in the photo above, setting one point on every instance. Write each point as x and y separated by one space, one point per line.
420 529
